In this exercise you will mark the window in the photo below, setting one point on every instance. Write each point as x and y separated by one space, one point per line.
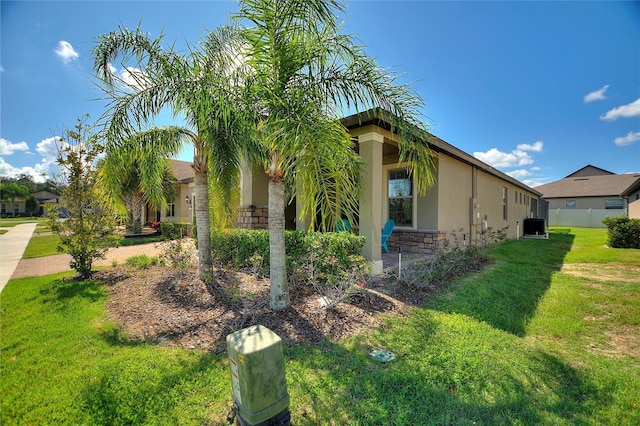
504 203
614 204
521 198
171 210
400 198
571 204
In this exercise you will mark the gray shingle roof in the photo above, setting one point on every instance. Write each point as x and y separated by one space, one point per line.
589 186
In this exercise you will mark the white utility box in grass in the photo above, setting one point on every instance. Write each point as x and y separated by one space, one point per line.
258 382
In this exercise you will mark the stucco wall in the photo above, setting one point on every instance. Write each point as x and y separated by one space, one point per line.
454 194
634 209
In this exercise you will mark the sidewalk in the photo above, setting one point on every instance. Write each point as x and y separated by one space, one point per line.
47 265
12 245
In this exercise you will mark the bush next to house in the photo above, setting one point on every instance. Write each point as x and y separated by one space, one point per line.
328 262
623 232
173 230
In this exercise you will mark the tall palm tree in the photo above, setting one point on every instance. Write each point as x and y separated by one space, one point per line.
138 173
199 85
304 75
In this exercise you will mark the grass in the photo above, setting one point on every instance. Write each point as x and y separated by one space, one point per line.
46 245
13 221
142 261
41 245
547 335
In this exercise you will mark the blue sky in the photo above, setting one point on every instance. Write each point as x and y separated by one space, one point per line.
536 89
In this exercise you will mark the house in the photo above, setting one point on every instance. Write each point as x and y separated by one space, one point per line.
178 209
468 195
587 196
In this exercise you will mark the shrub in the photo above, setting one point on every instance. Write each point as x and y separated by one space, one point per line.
179 254
142 261
173 230
455 258
623 232
243 248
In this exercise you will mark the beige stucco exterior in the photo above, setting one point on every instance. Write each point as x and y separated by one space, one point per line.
466 193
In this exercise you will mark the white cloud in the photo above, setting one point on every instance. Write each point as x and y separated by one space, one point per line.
518 157
629 110
130 76
519 174
66 52
1 68
8 148
627 140
536 147
46 168
596 95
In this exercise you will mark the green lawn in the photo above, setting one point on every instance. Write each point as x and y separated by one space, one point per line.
546 335
13 221
46 245
41 245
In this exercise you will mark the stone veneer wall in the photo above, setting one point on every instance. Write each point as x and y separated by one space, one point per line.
418 241
253 217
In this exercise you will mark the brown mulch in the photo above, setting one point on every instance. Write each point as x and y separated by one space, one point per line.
159 305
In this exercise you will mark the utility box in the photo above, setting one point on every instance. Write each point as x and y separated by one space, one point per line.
258 382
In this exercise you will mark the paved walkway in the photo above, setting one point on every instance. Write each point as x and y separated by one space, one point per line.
12 245
47 265
14 242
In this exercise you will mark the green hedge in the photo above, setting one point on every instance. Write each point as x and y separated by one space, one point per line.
173 230
623 232
242 248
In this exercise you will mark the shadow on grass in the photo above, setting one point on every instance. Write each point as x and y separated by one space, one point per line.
506 295
65 289
415 389
143 392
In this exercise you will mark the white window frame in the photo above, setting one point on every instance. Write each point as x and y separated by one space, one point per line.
414 199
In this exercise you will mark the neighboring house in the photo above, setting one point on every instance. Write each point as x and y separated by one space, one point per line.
180 208
48 201
587 196
468 195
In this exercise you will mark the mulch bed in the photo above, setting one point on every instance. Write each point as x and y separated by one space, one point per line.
159 305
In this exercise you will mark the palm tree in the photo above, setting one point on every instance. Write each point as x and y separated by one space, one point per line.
13 191
304 75
138 173
199 85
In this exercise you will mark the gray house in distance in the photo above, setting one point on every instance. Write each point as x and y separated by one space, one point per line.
587 196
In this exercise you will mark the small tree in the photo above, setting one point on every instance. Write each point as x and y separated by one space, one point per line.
88 232
32 206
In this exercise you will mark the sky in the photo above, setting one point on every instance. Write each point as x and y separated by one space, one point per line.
536 89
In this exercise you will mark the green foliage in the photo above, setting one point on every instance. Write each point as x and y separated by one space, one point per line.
173 230
455 258
142 261
623 232
88 233
242 248
32 206
13 191
179 254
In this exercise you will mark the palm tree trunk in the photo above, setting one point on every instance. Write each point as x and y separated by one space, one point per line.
135 205
203 226
278 270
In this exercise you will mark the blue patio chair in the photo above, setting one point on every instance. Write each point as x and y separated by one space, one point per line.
386 233
343 225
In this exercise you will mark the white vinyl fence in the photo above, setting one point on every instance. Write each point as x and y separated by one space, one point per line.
583 218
